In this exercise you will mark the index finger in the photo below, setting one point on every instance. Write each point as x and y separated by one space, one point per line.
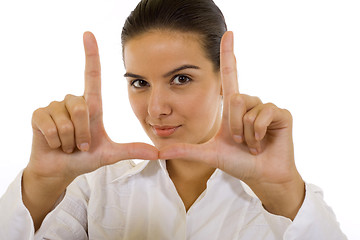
92 68
228 70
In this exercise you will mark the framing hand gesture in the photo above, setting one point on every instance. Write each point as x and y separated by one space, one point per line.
254 143
69 136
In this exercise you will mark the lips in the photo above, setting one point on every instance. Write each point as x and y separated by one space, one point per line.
164 131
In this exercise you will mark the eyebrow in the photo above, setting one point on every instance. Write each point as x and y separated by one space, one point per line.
187 66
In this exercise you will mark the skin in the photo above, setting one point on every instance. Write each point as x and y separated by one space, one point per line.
160 99
69 139
249 140
165 101
254 144
252 141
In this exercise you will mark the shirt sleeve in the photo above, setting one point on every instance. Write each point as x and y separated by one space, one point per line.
15 219
314 221
68 219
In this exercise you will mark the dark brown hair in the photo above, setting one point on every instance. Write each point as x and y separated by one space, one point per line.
198 16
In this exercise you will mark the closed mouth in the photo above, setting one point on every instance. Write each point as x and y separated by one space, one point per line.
164 131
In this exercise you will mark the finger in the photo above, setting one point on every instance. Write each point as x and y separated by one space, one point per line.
64 125
189 152
228 70
118 152
271 118
249 132
79 115
263 120
92 91
42 122
239 105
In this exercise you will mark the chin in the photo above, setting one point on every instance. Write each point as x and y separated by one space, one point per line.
161 143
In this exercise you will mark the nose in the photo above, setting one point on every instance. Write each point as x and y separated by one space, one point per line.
159 102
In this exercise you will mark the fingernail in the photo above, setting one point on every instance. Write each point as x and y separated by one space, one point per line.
69 150
84 147
238 138
253 151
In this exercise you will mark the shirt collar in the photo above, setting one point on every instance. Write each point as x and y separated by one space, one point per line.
137 168
162 164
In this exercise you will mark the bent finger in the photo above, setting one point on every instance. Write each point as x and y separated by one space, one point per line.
249 132
239 105
42 122
264 119
79 115
64 126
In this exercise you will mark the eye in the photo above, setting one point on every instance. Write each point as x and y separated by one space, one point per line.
138 83
180 80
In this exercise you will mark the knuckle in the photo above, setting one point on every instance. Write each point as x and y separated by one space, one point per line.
270 108
93 73
237 130
50 132
54 144
257 99
228 69
54 107
54 104
249 118
83 135
258 126
82 139
37 113
288 114
253 99
66 128
68 97
237 100
78 110
250 142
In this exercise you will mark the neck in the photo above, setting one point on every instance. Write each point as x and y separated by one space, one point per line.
189 178
188 171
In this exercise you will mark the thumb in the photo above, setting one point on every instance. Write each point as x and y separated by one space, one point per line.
189 152
125 151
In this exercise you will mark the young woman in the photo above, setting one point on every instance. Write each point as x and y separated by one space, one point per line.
227 167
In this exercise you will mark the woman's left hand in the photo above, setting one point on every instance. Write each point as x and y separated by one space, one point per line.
254 143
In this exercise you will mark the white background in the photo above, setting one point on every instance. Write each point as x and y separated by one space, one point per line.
301 55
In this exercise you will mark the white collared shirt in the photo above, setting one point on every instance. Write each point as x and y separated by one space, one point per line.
129 201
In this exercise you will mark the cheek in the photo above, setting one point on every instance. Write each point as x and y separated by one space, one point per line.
203 108
138 105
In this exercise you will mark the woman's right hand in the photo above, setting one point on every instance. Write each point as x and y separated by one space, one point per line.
69 137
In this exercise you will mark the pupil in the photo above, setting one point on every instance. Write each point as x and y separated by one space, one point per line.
182 79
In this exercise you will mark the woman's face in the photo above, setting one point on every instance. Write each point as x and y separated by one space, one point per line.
173 88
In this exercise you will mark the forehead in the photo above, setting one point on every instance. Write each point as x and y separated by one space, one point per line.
163 50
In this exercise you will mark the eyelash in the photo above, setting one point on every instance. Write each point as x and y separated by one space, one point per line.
181 75
133 82
188 79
